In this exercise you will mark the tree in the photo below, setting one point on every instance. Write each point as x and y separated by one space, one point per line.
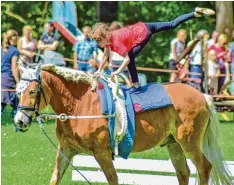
224 17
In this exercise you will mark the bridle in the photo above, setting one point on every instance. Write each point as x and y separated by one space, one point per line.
35 109
36 106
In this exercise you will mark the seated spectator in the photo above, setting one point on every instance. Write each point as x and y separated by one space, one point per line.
84 50
196 60
9 70
27 47
213 39
221 52
213 72
177 46
49 40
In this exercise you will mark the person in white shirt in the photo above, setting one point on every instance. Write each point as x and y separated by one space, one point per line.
213 39
213 72
177 47
196 59
27 47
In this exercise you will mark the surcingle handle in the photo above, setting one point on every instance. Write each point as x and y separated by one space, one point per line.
117 85
116 145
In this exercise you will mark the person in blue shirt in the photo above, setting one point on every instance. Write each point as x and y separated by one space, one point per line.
84 50
9 71
48 40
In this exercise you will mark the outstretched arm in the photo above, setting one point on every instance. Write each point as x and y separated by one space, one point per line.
104 60
123 65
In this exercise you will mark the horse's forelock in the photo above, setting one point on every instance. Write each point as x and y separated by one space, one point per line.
23 84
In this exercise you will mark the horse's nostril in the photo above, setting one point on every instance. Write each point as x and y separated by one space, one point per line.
21 123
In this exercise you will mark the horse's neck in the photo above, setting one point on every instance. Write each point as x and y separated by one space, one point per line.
70 98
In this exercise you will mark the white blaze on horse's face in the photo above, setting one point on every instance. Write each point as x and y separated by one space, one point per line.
27 90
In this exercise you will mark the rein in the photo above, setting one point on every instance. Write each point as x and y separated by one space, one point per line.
61 117
35 109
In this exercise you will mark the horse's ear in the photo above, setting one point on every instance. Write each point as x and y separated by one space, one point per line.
38 69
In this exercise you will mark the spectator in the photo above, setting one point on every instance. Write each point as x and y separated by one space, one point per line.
213 39
177 46
221 52
115 25
49 43
196 59
49 40
85 50
213 72
231 59
231 55
27 47
9 69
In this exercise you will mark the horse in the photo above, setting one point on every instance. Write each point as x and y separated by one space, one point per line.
191 123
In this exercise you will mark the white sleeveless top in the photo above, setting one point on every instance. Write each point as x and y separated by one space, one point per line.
180 46
29 46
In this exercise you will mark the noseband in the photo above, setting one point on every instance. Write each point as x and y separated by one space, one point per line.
36 106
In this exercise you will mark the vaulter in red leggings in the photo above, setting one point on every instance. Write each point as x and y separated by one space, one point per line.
129 41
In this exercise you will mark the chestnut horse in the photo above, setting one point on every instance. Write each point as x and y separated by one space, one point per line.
191 122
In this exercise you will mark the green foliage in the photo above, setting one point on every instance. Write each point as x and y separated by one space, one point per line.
154 55
30 12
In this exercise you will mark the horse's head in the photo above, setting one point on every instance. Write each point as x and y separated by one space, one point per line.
32 97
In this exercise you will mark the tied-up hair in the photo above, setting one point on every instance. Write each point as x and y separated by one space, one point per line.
99 31
10 34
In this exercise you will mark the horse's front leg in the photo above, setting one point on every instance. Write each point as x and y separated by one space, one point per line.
60 165
104 159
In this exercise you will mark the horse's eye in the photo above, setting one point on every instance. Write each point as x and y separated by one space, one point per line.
31 92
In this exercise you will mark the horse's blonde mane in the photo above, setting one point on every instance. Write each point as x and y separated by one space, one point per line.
69 74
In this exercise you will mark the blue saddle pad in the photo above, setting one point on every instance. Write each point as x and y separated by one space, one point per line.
151 96
108 107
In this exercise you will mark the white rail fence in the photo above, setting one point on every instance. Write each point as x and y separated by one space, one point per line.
141 165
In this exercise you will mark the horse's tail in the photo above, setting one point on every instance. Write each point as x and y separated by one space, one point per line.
220 174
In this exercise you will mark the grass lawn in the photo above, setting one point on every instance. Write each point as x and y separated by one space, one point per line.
28 158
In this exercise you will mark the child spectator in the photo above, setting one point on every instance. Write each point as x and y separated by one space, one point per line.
221 52
213 39
213 72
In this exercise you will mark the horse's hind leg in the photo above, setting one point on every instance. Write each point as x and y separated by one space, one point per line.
104 159
60 165
179 162
191 145
202 164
